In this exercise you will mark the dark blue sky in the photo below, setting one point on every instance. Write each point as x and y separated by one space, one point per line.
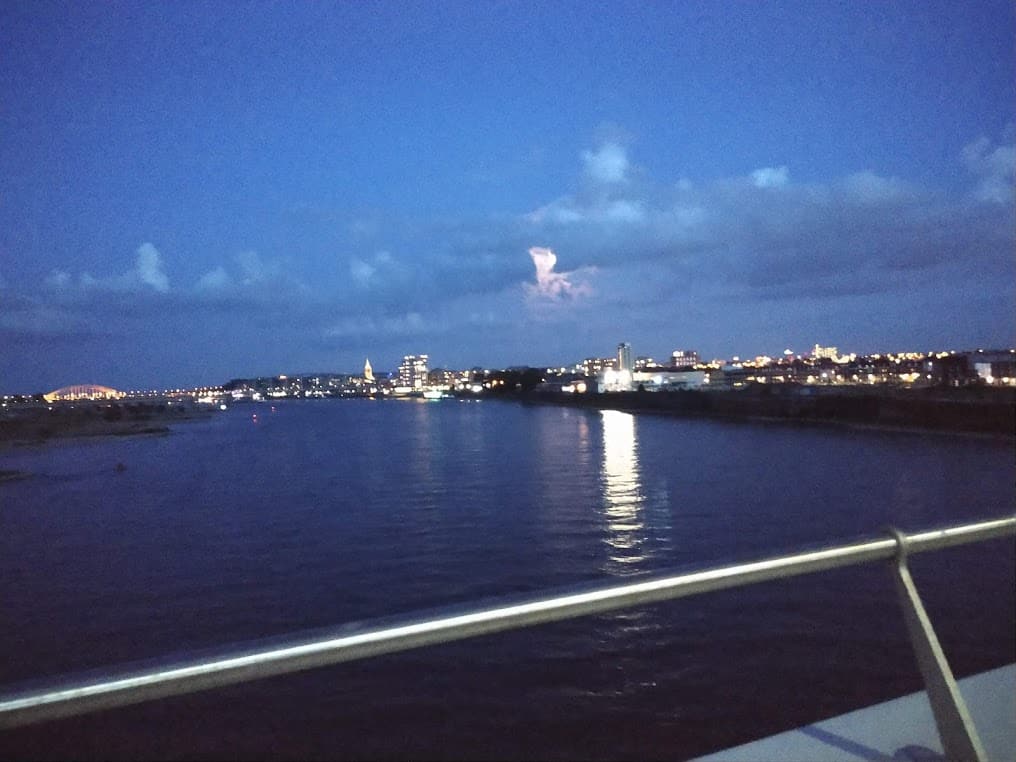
195 191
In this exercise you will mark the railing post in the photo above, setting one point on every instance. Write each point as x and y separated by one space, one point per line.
955 728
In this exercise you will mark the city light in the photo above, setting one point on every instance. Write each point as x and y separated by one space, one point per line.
824 366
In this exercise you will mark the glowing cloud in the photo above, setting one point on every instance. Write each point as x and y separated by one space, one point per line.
552 285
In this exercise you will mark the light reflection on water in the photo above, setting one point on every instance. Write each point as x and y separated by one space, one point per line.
421 449
623 495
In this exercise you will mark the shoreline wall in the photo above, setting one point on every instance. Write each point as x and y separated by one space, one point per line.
941 412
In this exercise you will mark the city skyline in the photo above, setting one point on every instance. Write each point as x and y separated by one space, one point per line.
412 372
186 194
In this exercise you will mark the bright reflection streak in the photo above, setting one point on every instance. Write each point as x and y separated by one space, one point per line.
622 493
583 435
421 452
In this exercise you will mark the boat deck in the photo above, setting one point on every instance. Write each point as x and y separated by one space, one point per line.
901 729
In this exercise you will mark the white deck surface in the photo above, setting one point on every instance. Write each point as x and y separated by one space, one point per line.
901 729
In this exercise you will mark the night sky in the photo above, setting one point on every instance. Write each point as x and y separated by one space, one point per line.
191 192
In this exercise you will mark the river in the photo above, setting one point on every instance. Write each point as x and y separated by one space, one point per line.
269 520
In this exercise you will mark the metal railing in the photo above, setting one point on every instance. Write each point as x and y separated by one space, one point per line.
202 675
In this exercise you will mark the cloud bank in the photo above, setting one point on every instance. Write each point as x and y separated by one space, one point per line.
853 234
713 257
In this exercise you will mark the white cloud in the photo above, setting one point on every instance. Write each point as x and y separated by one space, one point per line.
366 273
651 242
559 212
550 285
625 211
361 272
408 324
770 177
569 211
58 279
364 227
252 269
870 188
994 166
214 280
149 270
849 234
685 217
607 165
251 280
599 201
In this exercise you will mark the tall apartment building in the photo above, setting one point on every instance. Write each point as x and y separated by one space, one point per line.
413 372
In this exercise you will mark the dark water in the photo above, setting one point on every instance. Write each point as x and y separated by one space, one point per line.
322 513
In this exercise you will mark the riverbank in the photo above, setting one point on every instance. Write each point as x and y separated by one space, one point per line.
959 411
39 424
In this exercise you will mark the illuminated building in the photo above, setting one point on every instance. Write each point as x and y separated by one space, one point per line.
624 363
824 353
413 373
661 379
618 378
684 358
368 372
642 363
594 366
442 379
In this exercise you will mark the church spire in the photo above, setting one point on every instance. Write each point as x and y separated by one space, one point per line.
368 372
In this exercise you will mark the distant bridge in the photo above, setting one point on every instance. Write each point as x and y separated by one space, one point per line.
84 392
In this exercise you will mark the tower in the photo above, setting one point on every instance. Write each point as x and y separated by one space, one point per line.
624 357
368 372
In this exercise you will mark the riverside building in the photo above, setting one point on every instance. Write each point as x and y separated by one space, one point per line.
412 374
624 362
